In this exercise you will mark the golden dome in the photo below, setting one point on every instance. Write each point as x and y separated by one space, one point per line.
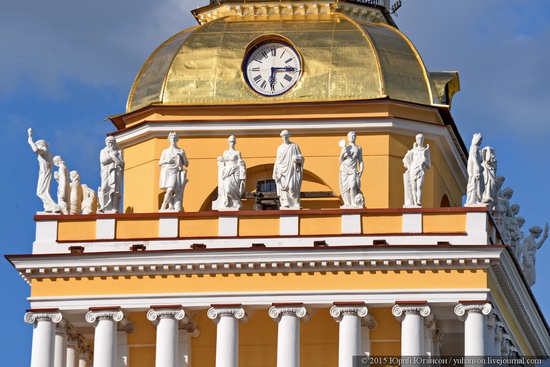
347 55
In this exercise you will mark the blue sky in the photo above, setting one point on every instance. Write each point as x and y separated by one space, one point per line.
65 66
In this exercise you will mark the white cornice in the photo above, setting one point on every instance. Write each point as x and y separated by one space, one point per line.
244 261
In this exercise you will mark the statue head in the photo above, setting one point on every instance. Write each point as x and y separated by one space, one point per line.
110 141
285 135
57 160
536 230
232 139
173 137
521 221
508 192
41 144
352 136
515 208
74 176
419 140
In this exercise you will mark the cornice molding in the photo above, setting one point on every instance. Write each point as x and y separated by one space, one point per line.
371 258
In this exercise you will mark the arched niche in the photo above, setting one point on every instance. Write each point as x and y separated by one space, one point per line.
316 193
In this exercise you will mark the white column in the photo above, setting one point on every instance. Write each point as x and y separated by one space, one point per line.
429 334
124 328
105 322
368 323
412 327
186 332
167 320
43 337
474 316
349 318
60 358
72 350
288 335
227 335
84 357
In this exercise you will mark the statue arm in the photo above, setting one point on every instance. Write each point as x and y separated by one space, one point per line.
117 159
31 143
185 161
360 160
544 237
428 162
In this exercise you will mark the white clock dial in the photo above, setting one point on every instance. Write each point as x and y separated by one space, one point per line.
271 68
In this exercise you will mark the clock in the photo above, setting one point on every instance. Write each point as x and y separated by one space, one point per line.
272 67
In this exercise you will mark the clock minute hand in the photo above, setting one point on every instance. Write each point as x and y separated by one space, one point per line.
285 68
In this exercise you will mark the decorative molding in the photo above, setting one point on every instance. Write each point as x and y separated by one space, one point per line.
126 326
334 258
338 311
35 316
93 316
277 312
401 311
190 327
215 313
369 322
165 313
463 308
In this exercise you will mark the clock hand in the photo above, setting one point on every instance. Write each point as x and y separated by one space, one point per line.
285 68
272 79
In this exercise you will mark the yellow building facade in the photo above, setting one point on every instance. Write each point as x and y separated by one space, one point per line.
312 286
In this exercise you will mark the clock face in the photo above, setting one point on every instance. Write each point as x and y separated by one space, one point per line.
272 67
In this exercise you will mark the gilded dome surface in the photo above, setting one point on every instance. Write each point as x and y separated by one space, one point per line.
343 59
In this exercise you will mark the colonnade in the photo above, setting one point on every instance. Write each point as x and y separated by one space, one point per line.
56 345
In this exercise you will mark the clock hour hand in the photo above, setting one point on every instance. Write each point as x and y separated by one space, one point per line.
285 68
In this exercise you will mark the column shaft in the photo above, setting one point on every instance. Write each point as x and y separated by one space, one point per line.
227 334
60 359
105 343
288 341
474 316
43 337
412 327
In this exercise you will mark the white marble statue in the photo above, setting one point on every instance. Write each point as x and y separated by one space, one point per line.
63 184
45 173
503 213
489 163
288 172
112 168
89 200
351 169
530 247
417 161
173 175
519 248
512 226
77 196
476 185
231 178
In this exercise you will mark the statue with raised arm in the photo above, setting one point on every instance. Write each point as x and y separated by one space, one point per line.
77 196
63 185
89 200
112 168
489 163
288 172
530 247
45 173
351 169
416 161
476 185
231 177
173 175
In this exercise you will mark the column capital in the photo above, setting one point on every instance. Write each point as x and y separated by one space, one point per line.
369 322
52 315
126 325
217 311
104 314
484 308
401 310
339 310
289 309
168 312
190 327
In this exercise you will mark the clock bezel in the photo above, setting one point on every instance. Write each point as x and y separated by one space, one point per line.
260 42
